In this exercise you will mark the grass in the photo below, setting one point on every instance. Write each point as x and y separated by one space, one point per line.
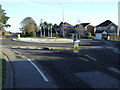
2 70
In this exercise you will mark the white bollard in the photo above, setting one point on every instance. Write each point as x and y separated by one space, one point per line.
76 47
18 36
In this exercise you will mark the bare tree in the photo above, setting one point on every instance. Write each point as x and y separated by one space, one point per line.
29 26
78 30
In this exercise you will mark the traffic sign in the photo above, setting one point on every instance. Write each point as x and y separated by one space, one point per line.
44 27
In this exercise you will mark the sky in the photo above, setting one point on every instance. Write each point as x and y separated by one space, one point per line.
51 11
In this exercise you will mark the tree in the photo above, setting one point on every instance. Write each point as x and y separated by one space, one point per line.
78 30
45 28
29 26
61 23
50 29
54 29
3 19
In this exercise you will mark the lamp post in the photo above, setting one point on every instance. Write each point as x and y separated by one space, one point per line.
63 19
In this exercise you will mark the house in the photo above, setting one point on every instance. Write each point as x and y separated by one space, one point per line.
84 28
79 30
91 29
68 29
107 26
101 34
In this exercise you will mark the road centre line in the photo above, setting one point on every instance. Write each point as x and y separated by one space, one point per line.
40 72
90 57
114 69
83 59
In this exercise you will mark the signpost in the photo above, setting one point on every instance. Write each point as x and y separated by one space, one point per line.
44 27
76 48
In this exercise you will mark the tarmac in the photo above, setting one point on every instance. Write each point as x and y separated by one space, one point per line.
9 83
11 56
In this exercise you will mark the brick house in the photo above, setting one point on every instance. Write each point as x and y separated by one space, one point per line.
91 29
107 26
68 29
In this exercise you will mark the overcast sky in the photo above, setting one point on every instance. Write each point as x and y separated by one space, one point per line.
75 11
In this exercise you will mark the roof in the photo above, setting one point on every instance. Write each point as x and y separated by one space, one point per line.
100 31
105 23
65 23
68 26
84 24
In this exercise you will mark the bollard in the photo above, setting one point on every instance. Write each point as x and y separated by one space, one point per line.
18 36
76 47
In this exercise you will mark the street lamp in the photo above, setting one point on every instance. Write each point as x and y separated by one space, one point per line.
63 19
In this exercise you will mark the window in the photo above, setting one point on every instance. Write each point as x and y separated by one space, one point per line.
112 28
99 28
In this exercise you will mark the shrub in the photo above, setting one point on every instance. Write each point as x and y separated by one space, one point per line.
114 37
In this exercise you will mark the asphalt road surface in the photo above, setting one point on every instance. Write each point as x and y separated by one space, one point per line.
67 70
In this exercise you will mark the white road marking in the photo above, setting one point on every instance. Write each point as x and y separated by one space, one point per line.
40 72
17 52
90 57
83 59
114 69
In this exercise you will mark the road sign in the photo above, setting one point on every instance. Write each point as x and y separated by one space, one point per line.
76 48
44 27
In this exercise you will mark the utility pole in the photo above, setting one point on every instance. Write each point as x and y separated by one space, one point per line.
63 19
41 28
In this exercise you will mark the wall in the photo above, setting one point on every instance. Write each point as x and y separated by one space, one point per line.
109 29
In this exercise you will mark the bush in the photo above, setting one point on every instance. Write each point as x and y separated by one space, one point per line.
89 34
114 37
33 34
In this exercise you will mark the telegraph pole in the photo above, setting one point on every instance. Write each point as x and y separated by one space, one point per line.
63 19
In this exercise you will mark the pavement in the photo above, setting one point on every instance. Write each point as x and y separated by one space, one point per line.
18 69
9 71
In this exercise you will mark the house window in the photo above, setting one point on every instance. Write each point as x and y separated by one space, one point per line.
99 28
112 28
104 28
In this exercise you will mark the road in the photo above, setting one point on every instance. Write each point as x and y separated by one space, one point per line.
9 42
67 70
